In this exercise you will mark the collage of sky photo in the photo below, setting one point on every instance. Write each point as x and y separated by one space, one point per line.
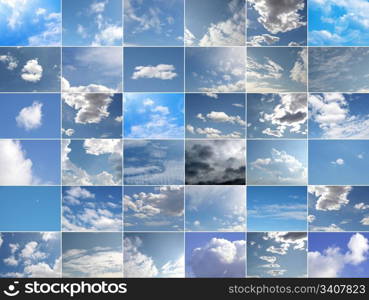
184 138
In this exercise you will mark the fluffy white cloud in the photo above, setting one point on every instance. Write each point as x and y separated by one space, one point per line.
279 16
311 218
137 264
289 114
361 205
30 117
11 61
331 228
331 262
161 71
16 168
222 117
32 71
230 32
98 7
338 161
110 35
264 39
43 270
281 167
51 36
330 197
11 261
213 132
285 240
173 268
299 70
91 88
17 8
189 38
102 146
101 262
91 108
219 258
68 132
331 112
168 200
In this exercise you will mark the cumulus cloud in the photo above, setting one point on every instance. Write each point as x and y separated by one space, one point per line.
102 146
16 168
91 108
281 167
262 40
161 71
189 38
210 132
101 262
338 161
330 228
30 117
311 218
331 112
219 257
331 262
110 35
285 241
361 205
222 117
11 61
230 32
279 16
17 8
215 162
68 132
91 88
32 71
330 197
290 114
167 201
299 70
51 35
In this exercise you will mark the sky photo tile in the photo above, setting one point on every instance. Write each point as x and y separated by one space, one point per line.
156 23
29 69
154 208
215 116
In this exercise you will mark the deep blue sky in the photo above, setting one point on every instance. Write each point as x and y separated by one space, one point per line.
48 126
30 208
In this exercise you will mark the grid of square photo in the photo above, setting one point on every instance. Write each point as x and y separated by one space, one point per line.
184 138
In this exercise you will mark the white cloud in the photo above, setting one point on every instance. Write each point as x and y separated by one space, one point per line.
279 16
289 114
222 117
161 71
173 268
213 132
338 161
98 7
331 112
263 39
361 205
167 201
330 228
102 146
1 240
91 88
30 117
91 108
43 270
219 258
330 197
365 221
101 262
110 35
299 70
11 261
81 30
281 167
32 71
267 70
11 61
189 38
17 8
68 132
311 218
137 264
331 262
269 259
16 168
51 36
286 240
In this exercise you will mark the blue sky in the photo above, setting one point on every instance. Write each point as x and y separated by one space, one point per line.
328 71
30 116
338 208
338 23
92 254
276 115
153 69
29 162
215 23
92 23
92 69
153 115
153 162
279 208
30 23
276 254
29 69
153 208
338 162
215 116
215 70
97 208
92 115
215 254
153 255
30 208
276 70
337 115
276 23
34 255
215 162
338 254
156 23
92 162
215 208
277 162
